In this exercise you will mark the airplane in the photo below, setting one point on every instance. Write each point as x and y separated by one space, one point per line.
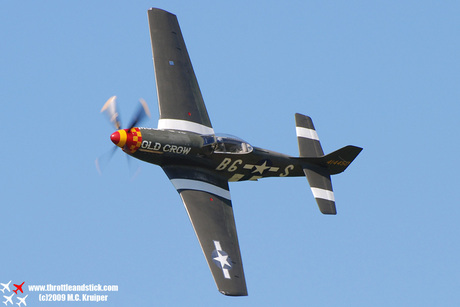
5 287
22 300
8 299
18 287
200 163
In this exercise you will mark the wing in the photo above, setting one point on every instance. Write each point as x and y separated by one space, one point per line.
206 198
179 97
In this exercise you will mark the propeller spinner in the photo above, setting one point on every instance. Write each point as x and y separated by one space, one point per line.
127 139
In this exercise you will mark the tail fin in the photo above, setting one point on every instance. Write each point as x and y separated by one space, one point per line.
339 160
317 167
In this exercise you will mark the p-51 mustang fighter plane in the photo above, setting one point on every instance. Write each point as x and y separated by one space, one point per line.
200 163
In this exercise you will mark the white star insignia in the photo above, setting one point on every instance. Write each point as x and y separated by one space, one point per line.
261 168
223 260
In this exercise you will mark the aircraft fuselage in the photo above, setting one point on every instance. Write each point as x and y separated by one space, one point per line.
233 159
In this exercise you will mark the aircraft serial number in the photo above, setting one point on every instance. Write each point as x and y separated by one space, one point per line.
232 166
340 163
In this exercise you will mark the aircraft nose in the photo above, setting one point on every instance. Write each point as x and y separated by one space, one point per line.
119 138
115 137
127 139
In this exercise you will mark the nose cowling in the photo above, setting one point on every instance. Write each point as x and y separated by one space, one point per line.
128 139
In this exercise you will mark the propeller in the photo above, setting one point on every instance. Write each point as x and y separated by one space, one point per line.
142 111
103 160
110 109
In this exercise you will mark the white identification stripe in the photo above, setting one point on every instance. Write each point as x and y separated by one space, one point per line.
185 125
306 133
323 194
190 184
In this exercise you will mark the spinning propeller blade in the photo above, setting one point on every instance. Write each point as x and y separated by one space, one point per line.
142 111
103 160
110 108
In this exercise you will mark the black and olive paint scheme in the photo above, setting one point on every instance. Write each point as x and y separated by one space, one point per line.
200 163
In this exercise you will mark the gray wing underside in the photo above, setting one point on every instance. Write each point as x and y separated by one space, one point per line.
206 198
180 101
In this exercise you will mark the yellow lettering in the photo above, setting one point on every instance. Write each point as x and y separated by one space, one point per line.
224 164
288 168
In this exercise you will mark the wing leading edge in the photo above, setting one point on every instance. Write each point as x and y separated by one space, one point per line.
180 101
206 198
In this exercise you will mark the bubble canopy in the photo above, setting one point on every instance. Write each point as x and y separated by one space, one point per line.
226 143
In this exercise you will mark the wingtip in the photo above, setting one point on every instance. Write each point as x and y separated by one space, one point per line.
153 9
245 293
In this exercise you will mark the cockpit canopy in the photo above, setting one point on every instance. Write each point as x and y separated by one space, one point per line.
228 144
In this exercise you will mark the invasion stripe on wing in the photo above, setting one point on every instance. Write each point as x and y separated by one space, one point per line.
323 194
190 184
306 133
185 125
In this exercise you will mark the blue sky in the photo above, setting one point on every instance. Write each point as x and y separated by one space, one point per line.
383 75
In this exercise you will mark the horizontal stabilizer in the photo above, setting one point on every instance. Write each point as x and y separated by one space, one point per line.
309 145
311 153
321 187
319 167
